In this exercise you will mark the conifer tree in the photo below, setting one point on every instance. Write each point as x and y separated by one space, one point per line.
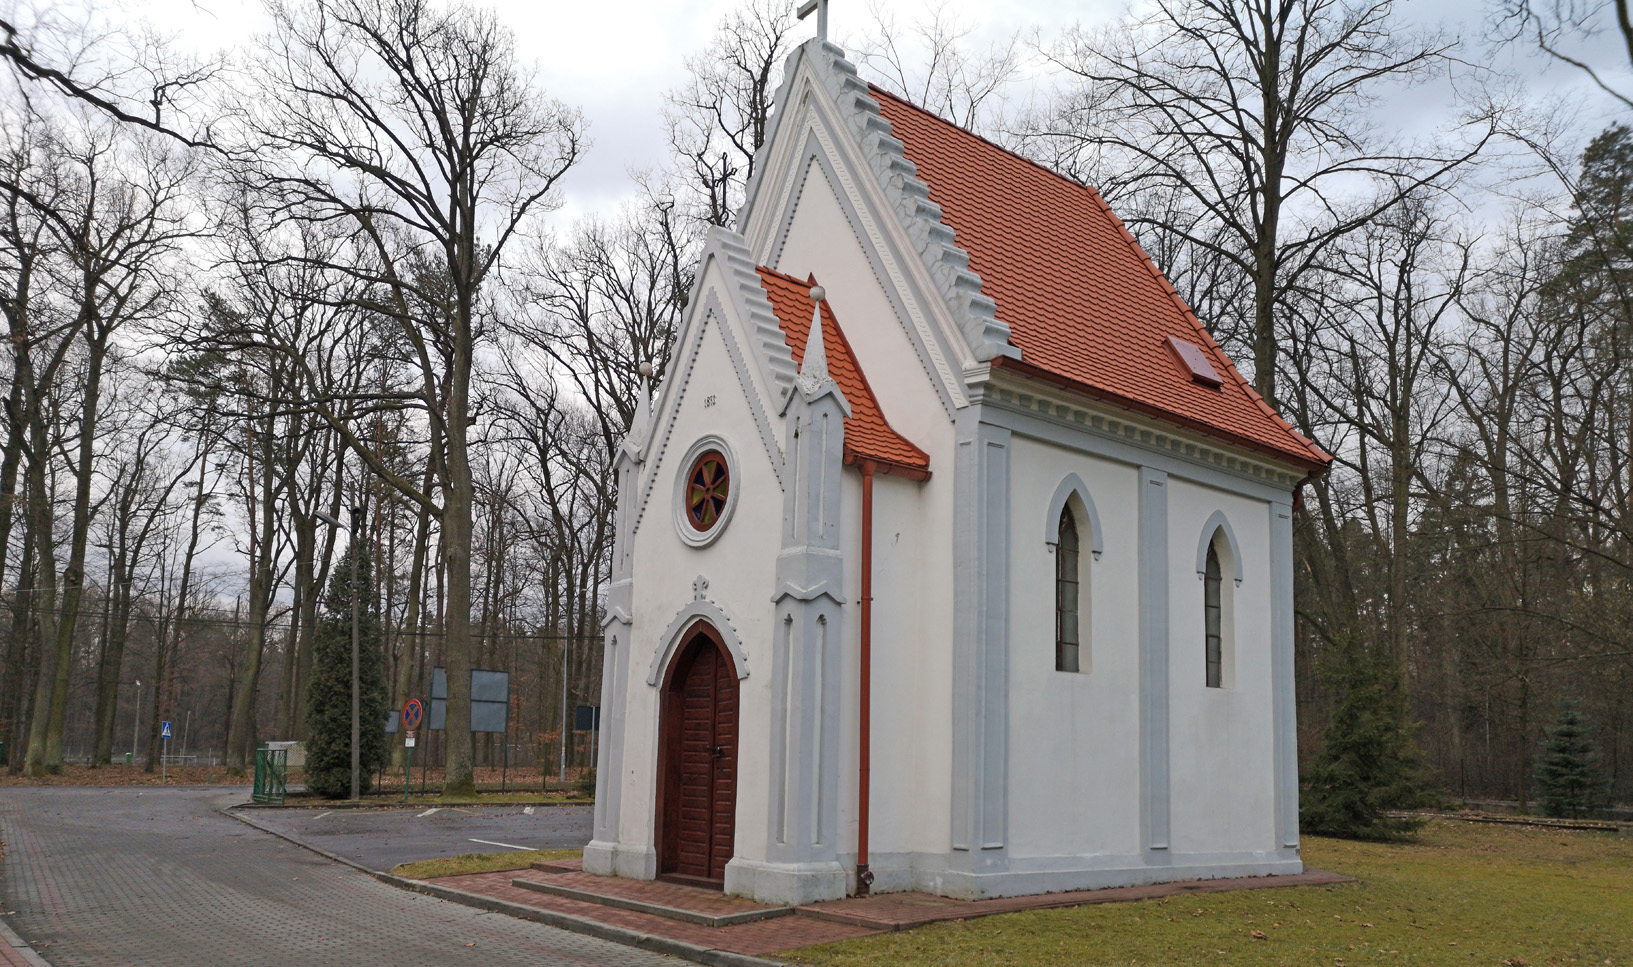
1368 764
1569 781
329 699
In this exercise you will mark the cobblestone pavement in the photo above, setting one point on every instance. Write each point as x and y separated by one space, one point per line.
381 838
117 875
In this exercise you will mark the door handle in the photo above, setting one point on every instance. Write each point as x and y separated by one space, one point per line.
717 751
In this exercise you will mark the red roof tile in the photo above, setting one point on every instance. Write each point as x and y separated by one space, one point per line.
868 435
1083 302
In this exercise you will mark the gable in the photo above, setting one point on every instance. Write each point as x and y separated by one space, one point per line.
729 346
868 434
820 151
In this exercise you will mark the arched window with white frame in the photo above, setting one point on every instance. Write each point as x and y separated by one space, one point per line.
1068 593
1213 619
1219 565
1073 536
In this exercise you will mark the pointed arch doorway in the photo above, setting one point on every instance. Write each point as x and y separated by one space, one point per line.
697 763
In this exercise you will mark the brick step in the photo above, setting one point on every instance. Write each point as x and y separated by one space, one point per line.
557 866
655 909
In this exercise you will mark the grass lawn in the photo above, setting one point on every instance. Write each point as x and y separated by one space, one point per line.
1463 893
482 863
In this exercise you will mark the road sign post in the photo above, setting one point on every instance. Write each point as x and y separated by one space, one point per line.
413 714
164 752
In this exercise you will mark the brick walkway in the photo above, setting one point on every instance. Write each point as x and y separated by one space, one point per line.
816 923
759 938
156 876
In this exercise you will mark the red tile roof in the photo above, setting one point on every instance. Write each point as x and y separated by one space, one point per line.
868 435
1083 302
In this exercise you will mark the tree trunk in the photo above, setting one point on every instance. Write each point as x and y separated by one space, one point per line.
456 551
20 667
241 738
413 646
45 596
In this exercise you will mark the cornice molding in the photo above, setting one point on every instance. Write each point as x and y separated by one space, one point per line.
1105 422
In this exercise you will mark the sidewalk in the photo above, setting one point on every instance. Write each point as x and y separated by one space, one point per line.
710 919
15 951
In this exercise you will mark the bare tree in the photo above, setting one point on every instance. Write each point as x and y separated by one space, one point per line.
414 126
1254 109
1554 26
932 64
719 118
133 77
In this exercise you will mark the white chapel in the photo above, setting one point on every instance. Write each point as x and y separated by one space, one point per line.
952 554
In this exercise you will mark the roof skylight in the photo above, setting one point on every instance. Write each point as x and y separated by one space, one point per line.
1196 362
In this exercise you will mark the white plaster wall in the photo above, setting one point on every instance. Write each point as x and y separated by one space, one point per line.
1222 765
1074 743
909 780
822 241
913 544
739 568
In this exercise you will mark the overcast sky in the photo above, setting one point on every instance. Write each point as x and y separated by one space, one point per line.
615 58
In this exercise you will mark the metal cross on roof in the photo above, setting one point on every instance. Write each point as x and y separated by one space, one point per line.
821 8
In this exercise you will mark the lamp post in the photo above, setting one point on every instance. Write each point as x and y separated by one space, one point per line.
357 518
136 723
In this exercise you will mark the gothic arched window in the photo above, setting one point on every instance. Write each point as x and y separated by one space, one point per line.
1213 619
1067 587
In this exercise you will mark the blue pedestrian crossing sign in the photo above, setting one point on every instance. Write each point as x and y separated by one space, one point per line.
164 730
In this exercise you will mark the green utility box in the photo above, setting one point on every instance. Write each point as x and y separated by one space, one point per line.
271 775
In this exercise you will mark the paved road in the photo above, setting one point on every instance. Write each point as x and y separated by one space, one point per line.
103 876
381 838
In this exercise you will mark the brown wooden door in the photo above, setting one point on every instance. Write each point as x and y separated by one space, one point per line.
700 762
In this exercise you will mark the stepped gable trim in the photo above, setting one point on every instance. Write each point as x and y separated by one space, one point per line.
776 362
868 433
672 393
762 154
948 264
828 159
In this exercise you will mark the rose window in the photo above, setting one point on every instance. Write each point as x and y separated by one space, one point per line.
708 488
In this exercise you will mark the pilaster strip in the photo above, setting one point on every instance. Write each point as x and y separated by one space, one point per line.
1282 685
1154 679
981 644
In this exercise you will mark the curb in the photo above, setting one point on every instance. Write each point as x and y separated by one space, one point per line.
347 804
1542 822
9 937
697 953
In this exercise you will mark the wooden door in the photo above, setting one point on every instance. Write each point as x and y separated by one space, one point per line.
699 730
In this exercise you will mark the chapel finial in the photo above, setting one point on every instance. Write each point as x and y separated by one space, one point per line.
813 370
821 8
643 403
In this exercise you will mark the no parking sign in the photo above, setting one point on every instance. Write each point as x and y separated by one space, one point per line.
413 714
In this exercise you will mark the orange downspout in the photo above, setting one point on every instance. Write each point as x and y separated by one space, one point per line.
864 876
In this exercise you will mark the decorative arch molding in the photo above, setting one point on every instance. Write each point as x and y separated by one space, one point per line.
700 610
1218 523
1072 486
